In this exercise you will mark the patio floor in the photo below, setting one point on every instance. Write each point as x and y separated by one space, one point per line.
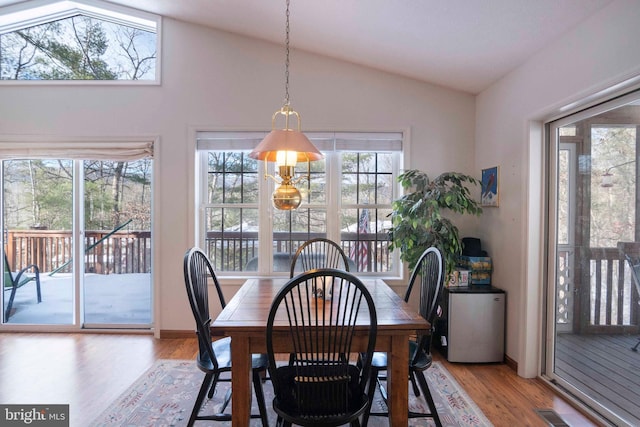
109 299
605 368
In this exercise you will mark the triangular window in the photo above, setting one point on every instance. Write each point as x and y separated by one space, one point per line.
77 41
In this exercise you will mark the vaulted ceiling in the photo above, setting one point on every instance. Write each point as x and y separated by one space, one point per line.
461 44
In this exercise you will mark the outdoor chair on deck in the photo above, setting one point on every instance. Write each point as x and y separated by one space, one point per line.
214 357
13 281
321 386
429 274
634 263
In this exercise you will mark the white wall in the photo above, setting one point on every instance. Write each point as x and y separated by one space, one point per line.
213 80
594 56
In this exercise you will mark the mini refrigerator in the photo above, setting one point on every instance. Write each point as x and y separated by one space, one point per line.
471 328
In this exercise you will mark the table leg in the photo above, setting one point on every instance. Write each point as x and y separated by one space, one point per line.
398 381
240 381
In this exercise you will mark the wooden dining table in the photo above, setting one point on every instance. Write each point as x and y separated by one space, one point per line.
244 319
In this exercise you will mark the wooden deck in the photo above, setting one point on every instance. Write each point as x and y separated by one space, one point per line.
605 368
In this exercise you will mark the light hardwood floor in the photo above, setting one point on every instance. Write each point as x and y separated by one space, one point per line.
88 371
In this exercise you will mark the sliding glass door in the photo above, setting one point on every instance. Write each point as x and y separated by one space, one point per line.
117 243
85 226
37 224
593 312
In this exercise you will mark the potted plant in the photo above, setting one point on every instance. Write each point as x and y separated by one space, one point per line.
417 217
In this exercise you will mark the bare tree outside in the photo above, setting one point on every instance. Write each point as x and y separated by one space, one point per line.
78 48
613 206
38 192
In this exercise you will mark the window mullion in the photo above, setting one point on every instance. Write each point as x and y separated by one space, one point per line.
202 199
332 184
265 227
78 238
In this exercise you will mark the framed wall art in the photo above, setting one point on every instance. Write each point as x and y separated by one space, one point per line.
490 184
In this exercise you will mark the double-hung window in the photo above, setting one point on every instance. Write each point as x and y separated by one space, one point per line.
347 199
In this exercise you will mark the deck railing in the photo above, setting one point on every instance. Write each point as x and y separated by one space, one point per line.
231 251
612 301
612 291
52 250
130 251
597 294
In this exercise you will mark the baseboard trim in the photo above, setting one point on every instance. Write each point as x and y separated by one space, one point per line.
176 334
511 363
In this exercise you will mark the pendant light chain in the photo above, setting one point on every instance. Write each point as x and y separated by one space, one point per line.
286 63
286 147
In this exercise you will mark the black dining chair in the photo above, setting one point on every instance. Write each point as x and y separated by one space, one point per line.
315 253
319 253
429 274
322 386
214 357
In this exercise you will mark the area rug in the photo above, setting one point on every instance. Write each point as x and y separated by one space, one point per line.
164 396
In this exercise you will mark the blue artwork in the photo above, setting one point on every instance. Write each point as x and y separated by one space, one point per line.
489 195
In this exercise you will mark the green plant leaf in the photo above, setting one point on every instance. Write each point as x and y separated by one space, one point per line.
418 220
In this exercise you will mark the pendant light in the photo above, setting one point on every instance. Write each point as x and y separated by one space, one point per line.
286 147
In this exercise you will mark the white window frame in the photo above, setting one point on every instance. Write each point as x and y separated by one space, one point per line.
339 141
